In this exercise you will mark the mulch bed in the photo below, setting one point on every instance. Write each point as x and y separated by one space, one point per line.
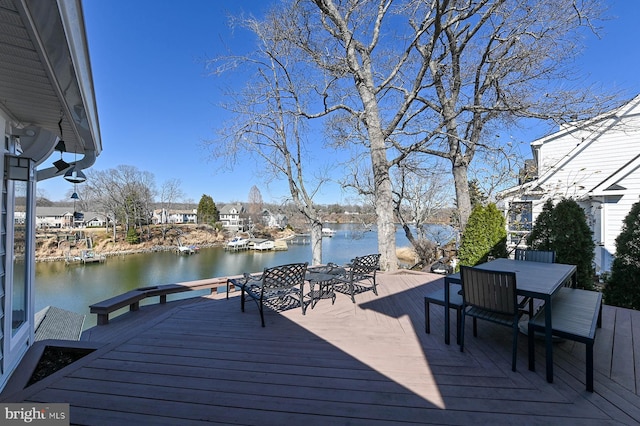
55 358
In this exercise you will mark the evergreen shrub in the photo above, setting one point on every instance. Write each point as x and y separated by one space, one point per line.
132 236
563 228
622 288
485 235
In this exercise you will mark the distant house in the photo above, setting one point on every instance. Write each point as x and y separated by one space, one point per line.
183 216
596 163
54 217
274 220
230 216
65 217
94 219
174 216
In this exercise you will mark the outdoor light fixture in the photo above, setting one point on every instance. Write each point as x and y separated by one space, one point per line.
75 176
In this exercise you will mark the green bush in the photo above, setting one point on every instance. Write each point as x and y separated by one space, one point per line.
563 228
132 236
485 235
623 285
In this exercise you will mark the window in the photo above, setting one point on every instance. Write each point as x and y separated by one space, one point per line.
520 221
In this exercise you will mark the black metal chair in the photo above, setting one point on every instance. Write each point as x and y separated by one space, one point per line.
360 276
545 256
274 287
490 296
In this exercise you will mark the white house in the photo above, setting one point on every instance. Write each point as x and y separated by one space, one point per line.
175 216
230 216
54 217
65 217
271 220
183 216
47 109
596 163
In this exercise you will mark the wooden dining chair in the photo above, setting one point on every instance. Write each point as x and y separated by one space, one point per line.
490 296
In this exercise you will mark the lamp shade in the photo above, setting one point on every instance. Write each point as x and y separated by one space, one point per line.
75 176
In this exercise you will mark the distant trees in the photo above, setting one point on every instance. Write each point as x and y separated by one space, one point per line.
170 193
124 194
622 288
207 211
254 205
563 228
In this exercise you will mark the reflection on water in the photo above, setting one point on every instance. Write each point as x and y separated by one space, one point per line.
76 287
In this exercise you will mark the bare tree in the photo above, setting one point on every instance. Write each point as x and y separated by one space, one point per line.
268 124
170 193
419 193
124 194
254 205
433 76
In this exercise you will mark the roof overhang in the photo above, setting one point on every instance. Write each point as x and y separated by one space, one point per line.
46 86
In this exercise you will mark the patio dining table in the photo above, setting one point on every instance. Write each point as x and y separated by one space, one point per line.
533 279
325 277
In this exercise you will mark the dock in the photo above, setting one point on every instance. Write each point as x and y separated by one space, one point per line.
86 256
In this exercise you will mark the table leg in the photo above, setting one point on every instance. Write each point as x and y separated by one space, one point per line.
446 311
548 340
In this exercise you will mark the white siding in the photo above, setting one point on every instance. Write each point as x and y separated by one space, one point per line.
584 164
588 163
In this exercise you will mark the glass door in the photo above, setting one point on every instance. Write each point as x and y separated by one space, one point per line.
18 219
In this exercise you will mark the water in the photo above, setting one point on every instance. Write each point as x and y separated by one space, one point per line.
75 287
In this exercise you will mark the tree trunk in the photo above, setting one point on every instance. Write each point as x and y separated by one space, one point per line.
316 243
384 203
382 181
461 183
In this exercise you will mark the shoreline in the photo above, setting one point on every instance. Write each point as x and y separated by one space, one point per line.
154 249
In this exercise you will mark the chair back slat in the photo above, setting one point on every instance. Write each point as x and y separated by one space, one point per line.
365 265
284 276
535 255
490 290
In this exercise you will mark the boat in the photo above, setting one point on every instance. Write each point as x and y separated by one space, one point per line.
238 243
328 232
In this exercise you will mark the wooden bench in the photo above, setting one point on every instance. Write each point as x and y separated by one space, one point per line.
575 315
132 298
104 308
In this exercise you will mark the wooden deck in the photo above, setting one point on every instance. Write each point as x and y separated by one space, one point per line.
370 363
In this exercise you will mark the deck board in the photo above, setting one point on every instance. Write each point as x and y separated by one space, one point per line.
369 363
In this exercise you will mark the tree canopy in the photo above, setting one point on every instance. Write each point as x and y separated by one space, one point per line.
397 79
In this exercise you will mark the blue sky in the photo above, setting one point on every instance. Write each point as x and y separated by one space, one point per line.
156 105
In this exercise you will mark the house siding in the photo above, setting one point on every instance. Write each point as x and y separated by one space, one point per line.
597 165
